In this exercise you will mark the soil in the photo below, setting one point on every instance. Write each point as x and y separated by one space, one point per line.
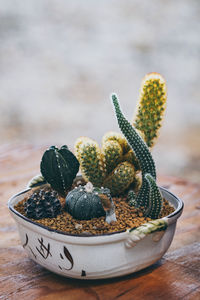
127 217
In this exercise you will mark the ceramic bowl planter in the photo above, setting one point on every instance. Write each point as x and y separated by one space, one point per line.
96 257
122 167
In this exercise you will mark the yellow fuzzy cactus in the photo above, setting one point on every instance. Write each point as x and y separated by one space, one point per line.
89 155
105 166
151 106
120 178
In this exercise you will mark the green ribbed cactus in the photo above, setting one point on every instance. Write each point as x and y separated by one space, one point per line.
59 168
151 106
149 195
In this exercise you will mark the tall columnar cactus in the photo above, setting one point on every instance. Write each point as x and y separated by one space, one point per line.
151 106
149 195
59 168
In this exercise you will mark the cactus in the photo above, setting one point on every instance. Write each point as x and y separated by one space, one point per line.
113 153
151 106
155 198
120 178
36 181
132 198
99 167
87 202
90 158
148 196
115 136
106 166
59 168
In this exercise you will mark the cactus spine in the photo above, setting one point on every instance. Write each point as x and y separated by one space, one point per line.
148 196
151 106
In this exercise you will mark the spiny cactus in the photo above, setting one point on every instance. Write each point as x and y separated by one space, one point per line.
155 198
151 106
113 153
90 158
132 198
87 202
105 167
120 178
118 137
59 168
148 196
115 149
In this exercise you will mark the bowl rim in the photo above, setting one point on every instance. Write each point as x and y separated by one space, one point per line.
13 210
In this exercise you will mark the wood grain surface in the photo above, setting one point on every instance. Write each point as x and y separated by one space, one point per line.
175 276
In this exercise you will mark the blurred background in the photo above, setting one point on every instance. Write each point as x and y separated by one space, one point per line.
60 61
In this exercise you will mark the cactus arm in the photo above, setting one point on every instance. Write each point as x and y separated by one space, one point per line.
112 152
118 137
151 107
132 198
155 198
135 141
120 178
91 161
130 157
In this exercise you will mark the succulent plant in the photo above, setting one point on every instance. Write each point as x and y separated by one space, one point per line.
131 197
99 165
107 166
148 196
42 204
59 168
151 106
90 158
120 178
36 181
87 202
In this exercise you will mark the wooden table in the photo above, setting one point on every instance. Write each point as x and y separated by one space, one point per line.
175 276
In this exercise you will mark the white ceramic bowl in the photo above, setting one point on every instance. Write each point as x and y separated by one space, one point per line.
95 257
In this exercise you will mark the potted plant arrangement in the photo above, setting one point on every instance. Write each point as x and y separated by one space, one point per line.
111 219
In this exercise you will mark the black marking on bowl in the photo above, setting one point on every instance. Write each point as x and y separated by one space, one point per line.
26 242
44 250
69 257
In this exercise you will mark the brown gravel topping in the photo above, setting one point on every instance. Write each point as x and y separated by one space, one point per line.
127 217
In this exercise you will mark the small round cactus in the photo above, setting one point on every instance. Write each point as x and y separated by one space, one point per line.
87 202
120 178
42 204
